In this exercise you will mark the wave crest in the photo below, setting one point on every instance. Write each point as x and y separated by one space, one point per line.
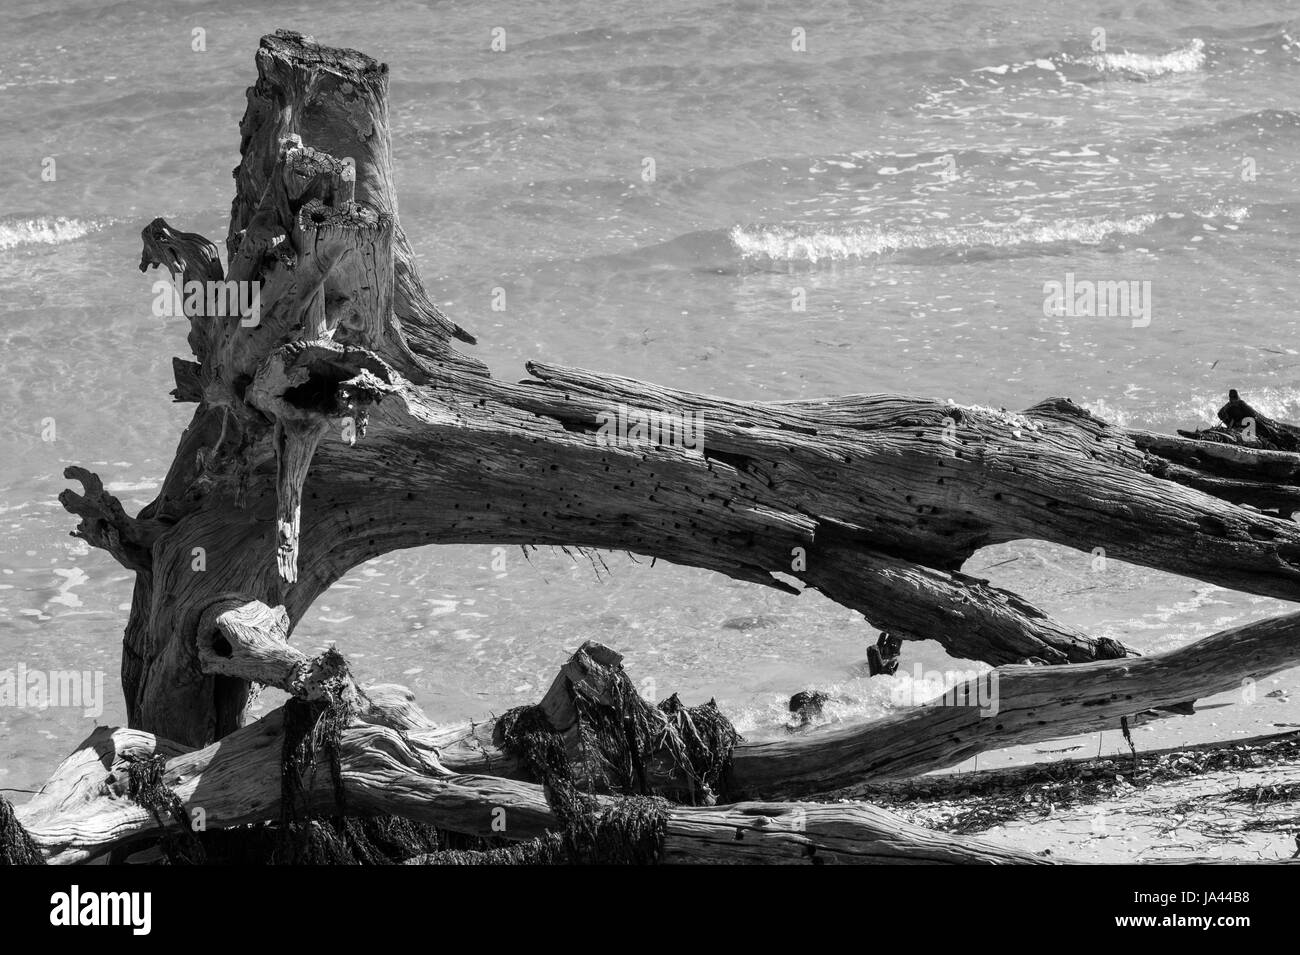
787 244
1187 59
41 230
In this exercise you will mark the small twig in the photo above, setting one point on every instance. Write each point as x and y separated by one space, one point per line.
1128 738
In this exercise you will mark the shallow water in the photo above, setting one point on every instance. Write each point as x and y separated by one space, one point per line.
919 173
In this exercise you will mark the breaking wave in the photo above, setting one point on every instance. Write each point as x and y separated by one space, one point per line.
1123 64
1187 59
786 244
41 230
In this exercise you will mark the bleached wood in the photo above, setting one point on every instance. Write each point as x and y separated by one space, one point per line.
82 811
1008 706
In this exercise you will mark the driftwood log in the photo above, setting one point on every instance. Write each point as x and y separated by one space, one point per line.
340 422
83 811
390 762
1032 703
394 760
1029 704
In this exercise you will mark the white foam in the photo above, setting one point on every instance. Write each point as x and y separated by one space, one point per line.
1200 410
786 244
1187 59
43 230
1224 210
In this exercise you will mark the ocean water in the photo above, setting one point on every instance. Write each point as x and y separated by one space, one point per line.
915 174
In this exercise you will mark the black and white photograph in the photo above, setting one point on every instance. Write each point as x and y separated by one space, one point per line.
507 435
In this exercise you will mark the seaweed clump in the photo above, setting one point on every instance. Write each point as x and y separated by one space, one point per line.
16 846
312 728
614 742
302 836
147 787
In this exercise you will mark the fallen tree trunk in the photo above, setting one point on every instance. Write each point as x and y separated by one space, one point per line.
1008 706
877 501
393 760
1031 704
84 810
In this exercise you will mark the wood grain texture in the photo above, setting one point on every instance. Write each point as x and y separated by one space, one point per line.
83 811
1029 704
394 760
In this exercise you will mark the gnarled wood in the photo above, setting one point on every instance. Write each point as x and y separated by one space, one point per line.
1008 706
1030 704
394 761
83 811
877 501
